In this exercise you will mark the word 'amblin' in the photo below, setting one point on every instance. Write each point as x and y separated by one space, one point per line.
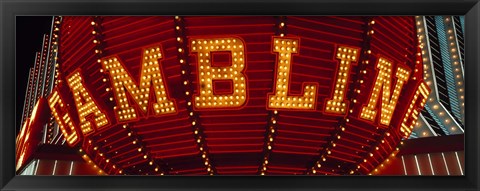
152 76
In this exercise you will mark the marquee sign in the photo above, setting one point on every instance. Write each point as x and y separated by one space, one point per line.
237 95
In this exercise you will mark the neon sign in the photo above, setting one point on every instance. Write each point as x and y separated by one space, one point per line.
150 96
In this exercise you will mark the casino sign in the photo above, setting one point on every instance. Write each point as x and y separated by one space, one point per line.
237 95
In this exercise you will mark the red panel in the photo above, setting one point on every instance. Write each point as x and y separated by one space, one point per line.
438 164
393 167
461 157
62 168
453 163
434 144
45 167
424 164
410 165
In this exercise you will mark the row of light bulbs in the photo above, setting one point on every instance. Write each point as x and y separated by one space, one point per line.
428 76
196 127
365 57
407 126
101 119
152 163
150 58
91 163
454 53
273 115
42 64
52 67
385 68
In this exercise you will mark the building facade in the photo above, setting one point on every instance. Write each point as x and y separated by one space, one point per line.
440 55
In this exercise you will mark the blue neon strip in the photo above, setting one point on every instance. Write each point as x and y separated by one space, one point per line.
413 135
450 79
439 122
462 22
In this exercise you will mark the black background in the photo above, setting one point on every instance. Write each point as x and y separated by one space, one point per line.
29 37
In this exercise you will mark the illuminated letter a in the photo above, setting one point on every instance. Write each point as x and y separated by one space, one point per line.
150 74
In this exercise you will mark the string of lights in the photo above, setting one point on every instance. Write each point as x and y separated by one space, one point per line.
280 30
194 116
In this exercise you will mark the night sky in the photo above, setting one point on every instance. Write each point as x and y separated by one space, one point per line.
29 36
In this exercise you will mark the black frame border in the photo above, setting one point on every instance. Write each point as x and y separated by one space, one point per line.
11 8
